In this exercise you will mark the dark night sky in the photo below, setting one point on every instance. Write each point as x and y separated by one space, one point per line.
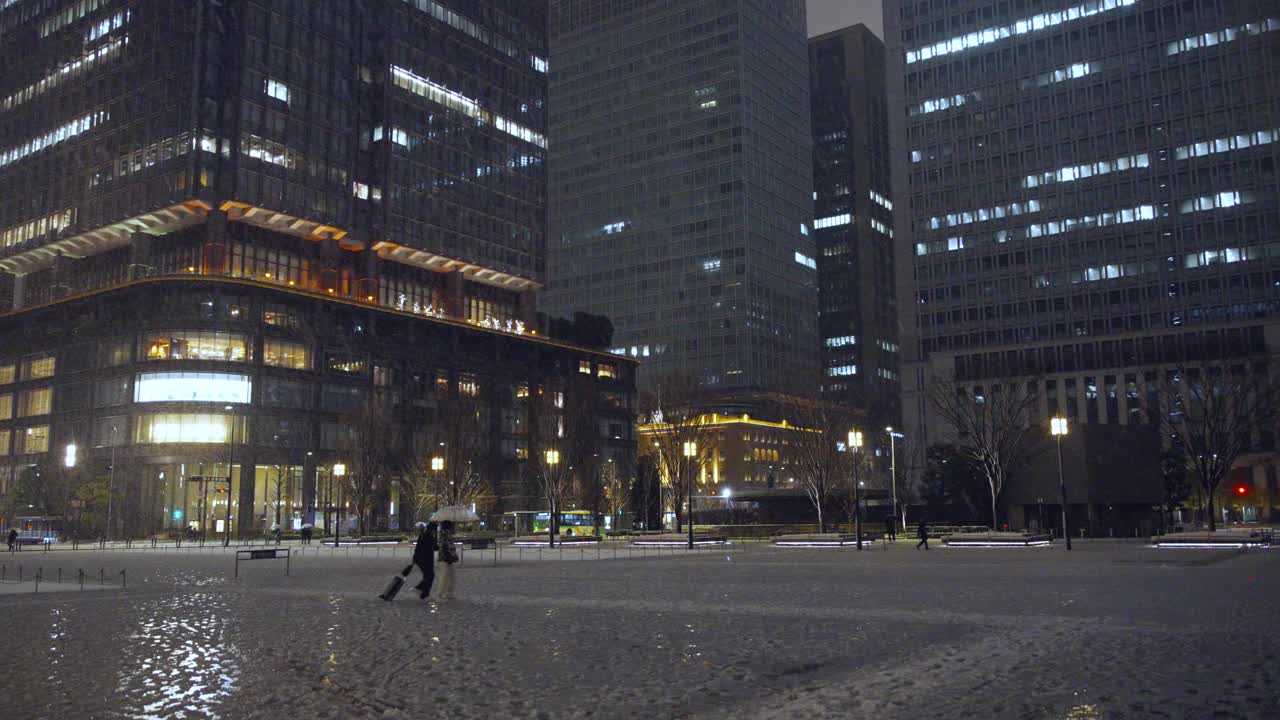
828 15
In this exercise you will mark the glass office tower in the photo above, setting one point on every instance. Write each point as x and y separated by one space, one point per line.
680 192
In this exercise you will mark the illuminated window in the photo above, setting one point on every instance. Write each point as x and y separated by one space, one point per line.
279 317
276 89
38 401
522 391
1034 23
469 386
833 221
59 134
192 387
605 370
806 261
6 406
282 353
1225 35
183 345
32 440
842 370
1227 144
584 367
7 374
841 341
1227 199
347 364
187 428
38 366
442 95
4 442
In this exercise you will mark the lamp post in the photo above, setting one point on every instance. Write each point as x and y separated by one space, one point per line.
855 446
231 461
893 472
1058 426
553 491
111 482
339 471
690 452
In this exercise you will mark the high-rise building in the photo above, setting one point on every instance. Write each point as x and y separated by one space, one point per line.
853 221
1087 196
279 208
680 185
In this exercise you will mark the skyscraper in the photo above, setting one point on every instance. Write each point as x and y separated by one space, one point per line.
1087 194
853 220
257 215
680 185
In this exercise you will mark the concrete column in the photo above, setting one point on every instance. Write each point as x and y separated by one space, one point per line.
527 309
140 256
246 513
19 291
454 296
61 285
330 272
367 282
214 256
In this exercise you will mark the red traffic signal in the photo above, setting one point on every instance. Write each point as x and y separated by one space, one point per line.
1242 490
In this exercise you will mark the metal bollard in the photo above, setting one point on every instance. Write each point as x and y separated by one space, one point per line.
38 579
81 573
19 573
124 579
101 577
59 576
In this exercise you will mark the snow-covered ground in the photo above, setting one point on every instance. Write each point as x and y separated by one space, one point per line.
1110 630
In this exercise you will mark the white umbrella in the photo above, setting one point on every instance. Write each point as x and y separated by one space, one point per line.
454 513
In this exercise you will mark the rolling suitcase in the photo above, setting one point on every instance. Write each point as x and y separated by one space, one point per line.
397 582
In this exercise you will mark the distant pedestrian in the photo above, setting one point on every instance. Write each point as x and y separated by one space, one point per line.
923 532
275 532
13 539
891 528
306 534
448 556
424 556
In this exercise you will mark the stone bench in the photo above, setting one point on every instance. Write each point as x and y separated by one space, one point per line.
997 539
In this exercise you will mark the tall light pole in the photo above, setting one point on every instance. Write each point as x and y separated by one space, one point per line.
111 482
339 471
231 461
855 446
1058 426
690 452
553 492
893 472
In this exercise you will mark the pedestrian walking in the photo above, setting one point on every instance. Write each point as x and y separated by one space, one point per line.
424 556
275 532
448 556
13 539
891 528
923 532
306 534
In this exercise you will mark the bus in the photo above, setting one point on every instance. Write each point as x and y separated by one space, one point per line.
572 522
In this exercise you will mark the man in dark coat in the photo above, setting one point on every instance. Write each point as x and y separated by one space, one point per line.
13 539
891 528
424 556
923 532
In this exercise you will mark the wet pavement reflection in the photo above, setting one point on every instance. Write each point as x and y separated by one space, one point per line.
178 661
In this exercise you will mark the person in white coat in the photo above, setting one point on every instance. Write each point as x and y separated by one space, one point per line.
448 556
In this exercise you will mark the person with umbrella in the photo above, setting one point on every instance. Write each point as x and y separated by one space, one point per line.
447 516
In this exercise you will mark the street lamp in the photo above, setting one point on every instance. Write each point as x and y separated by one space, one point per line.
69 460
855 446
553 487
231 461
339 471
893 471
690 452
1058 426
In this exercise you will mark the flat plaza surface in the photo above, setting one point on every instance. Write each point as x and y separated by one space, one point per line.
1109 630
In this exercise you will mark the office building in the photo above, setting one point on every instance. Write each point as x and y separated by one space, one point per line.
281 210
1087 198
853 222
680 197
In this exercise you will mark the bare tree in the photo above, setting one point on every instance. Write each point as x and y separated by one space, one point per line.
855 477
1212 415
548 453
280 490
816 431
584 444
682 436
618 484
992 426
372 443
450 469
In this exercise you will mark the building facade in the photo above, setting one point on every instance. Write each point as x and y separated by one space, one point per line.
388 153
853 221
1087 197
680 191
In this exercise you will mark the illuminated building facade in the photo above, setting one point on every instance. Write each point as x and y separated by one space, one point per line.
387 153
680 198
1087 195
853 221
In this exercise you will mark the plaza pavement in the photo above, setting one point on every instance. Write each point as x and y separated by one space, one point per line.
1109 630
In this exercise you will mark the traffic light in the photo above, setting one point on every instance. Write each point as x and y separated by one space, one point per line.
1241 490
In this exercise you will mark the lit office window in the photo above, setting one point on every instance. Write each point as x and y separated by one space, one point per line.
1227 144
806 261
31 440
1209 39
4 442
192 387
62 133
197 346
36 367
6 406
7 373
276 89
1032 24
1218 201
37 401
187 428
832 221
